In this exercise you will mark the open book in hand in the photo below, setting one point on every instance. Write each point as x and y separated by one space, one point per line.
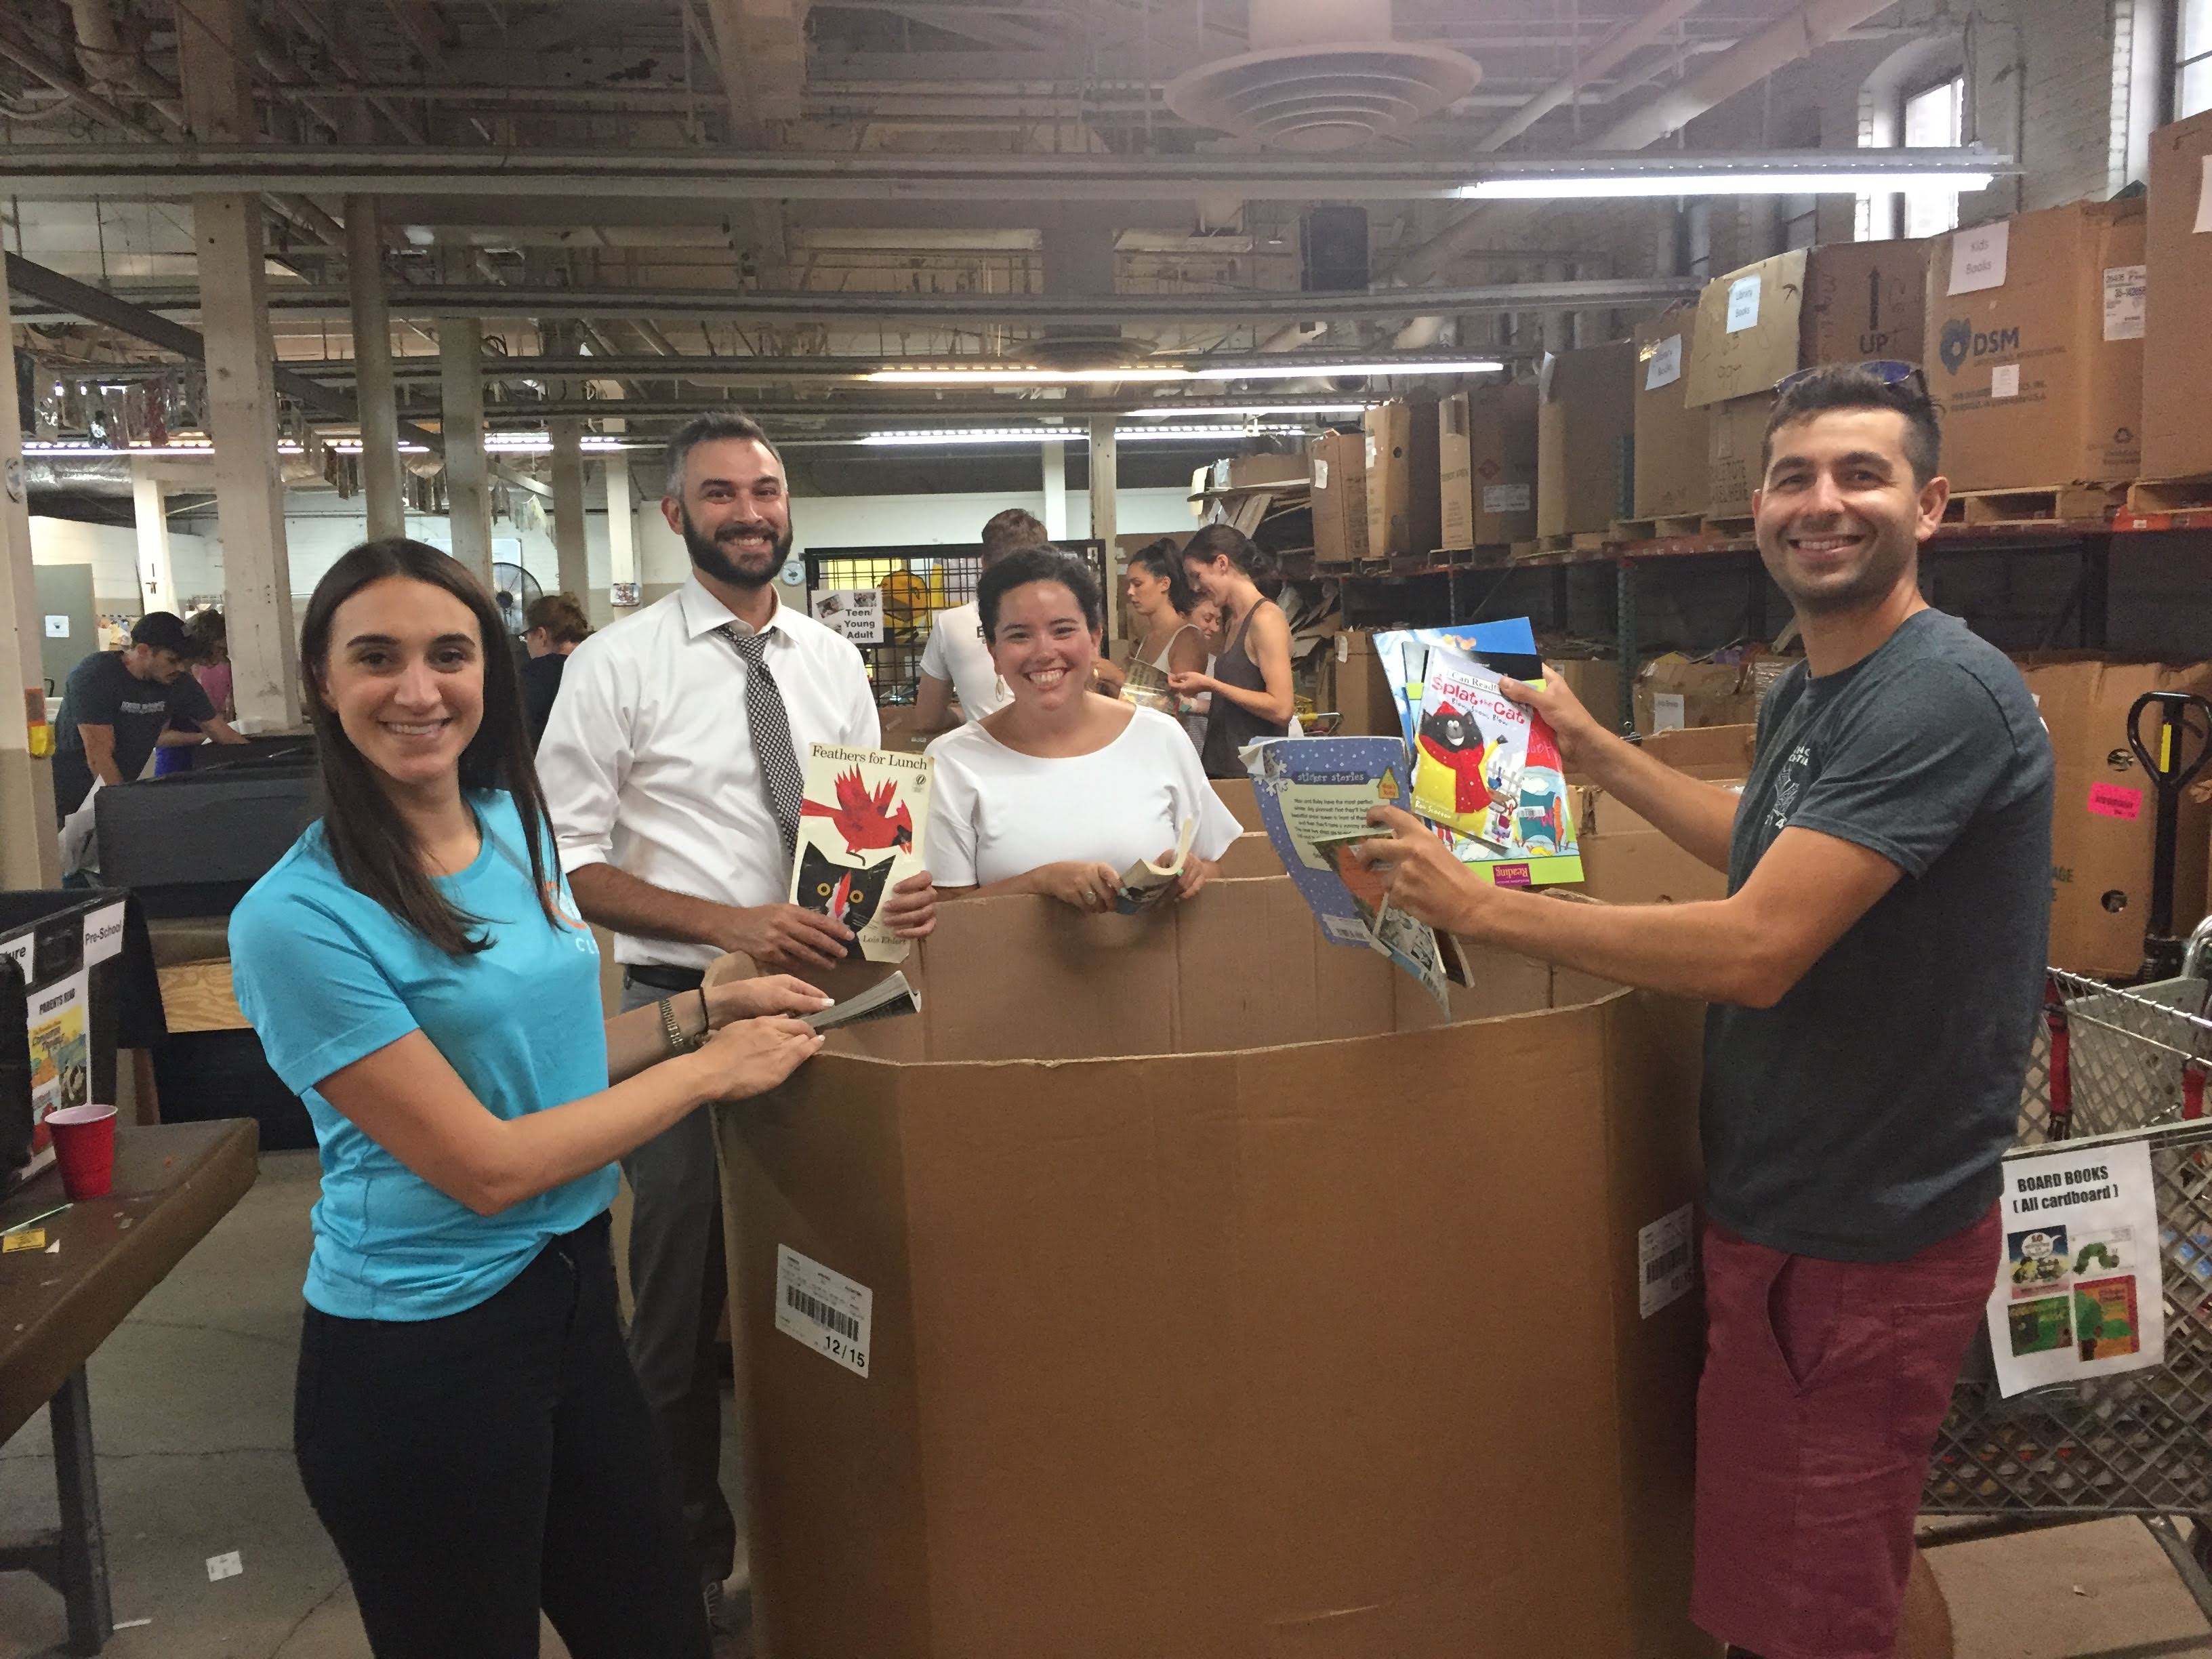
887 996
860 826
1145 884
1314 795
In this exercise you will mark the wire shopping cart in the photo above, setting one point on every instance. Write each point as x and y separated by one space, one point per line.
2117 1066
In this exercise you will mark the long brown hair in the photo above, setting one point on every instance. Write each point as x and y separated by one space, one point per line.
371 844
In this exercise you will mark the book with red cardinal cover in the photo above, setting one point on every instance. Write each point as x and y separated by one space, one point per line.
860 825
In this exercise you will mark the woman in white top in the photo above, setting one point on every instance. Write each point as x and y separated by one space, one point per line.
1061 790
1162 601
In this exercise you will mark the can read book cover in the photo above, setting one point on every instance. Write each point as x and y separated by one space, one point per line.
860 827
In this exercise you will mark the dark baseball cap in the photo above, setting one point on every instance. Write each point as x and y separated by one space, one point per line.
161 630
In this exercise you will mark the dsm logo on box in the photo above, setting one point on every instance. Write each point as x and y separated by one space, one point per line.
1962 340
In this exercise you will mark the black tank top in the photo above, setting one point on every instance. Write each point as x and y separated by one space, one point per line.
1229 725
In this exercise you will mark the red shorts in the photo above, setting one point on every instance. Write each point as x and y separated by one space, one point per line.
1824 1384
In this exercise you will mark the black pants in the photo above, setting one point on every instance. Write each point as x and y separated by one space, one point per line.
475 1468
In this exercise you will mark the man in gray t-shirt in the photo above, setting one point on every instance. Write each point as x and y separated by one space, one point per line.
1873 979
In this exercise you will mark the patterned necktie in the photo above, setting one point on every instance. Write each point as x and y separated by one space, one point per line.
782 778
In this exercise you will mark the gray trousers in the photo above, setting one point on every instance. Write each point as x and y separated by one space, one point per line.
677 1276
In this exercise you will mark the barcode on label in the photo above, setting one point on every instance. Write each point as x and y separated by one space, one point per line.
821 1308
821 1312
1666 1261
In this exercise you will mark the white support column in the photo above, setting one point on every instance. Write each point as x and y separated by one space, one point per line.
371 354
157 578
214 51
622 520
30 855
569 543
1105 466
249 490
461 423
1055 491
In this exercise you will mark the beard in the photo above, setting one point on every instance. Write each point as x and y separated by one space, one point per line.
724 563
1839 592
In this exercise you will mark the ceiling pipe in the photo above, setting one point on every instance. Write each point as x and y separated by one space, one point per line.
1609 53
109 65
1744 65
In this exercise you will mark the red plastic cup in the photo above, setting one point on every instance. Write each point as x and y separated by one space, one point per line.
84 1147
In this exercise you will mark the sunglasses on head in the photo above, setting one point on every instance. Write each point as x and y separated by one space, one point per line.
1887 370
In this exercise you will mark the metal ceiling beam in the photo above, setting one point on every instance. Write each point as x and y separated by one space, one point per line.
94 306
74 172
892 309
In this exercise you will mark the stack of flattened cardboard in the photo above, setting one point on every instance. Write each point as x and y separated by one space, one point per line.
1674 692
2102 832
1853 302
1585 424
2037 324
1178 1283
2176 439
1487 466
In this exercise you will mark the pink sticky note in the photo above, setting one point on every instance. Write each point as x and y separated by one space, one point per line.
2115 801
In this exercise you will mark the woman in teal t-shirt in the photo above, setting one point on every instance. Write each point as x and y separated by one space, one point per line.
466 1422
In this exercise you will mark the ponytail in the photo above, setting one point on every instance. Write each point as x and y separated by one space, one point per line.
1226 541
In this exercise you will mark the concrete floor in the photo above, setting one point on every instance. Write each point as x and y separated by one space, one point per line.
191 1400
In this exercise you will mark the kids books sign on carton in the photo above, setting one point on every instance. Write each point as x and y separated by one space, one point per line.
2078 1293
860 835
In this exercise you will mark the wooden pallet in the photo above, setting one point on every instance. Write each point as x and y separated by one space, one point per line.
1662 527
2170 495
1729 529
2049 504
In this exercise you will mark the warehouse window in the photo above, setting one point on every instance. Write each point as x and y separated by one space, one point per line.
1934 119
2192 78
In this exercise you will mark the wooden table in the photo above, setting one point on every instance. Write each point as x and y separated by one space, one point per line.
173 1183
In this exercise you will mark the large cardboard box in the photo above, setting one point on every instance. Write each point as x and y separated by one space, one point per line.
1487 466
2037 355
1850 303
1209 1297
1363 690
1670 440
1585 424
2103 830
2176 439
1338 464
1672 692
1403 499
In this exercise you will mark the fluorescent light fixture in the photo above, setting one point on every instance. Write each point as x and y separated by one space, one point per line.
1251 410
1040 434
1778 182
1018 376
1297 371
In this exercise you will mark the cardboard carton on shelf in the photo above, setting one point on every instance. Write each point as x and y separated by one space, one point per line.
1362 690
1403 499
1337 466
1670 443
1487 466
1141 1295
2176 439
1585 425
1850 302
2104 825
2037 353
1672 692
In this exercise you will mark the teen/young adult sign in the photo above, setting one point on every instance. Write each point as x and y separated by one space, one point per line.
2077 1292
856 612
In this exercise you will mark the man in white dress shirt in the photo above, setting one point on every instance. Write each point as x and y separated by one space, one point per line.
667 764
956 660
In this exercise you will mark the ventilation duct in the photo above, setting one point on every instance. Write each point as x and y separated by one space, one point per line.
1322 75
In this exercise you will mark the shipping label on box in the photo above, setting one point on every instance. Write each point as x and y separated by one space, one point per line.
824 1309
1666 1261
2124 288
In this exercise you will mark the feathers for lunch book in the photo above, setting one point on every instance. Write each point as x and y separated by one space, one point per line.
860 826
